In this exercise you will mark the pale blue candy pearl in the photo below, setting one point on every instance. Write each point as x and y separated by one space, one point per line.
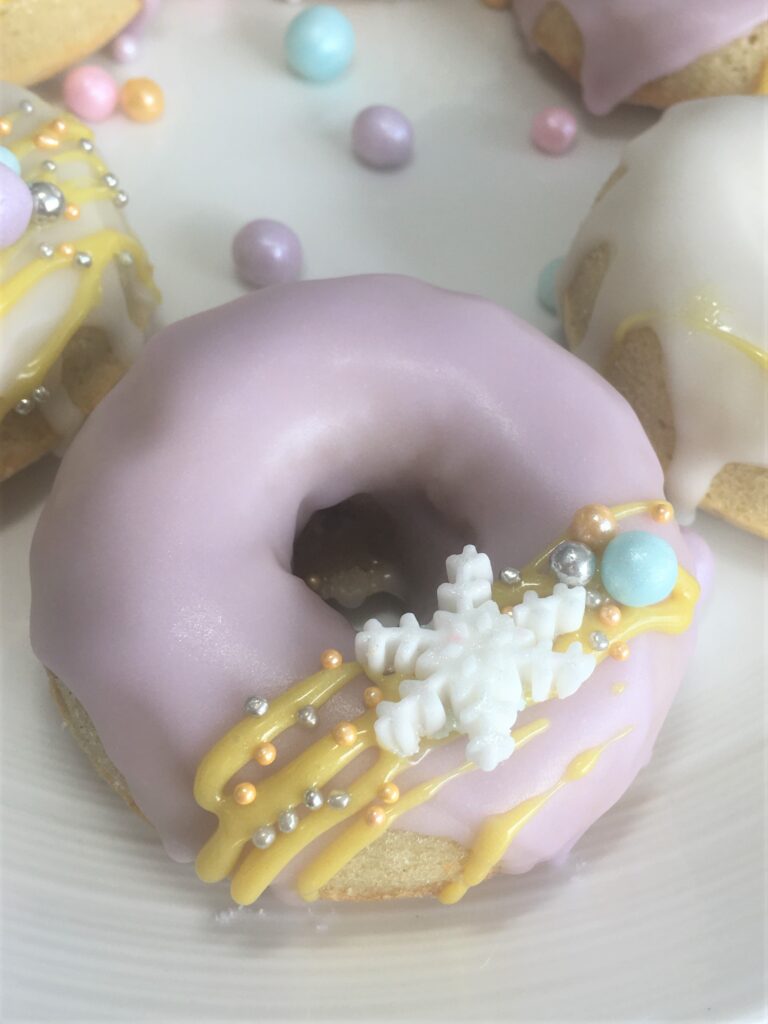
638 569
546 290
319 43
10 160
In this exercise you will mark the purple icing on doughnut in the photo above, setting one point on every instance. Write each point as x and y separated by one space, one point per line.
162 590
628 44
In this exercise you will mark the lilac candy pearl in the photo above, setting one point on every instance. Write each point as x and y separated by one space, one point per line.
124 48
382 137
554 130
267 252
15 206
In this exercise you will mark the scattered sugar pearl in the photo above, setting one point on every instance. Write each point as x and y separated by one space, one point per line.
90 92
124 48
267 252
319 43
382 137
10 160
546 289
142 99
15 206
554 130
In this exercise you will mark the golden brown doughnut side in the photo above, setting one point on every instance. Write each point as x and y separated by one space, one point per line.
398 865
733 69
39 38
89 370
739 493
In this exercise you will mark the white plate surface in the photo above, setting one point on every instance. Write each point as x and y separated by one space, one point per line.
659 913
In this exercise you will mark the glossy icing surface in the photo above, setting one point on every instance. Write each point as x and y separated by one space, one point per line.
686 228
47 298
162 592
627 44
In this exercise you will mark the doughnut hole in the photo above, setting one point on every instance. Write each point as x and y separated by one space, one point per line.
376 555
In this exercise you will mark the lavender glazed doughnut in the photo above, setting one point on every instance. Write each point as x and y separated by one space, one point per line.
655 53
491 738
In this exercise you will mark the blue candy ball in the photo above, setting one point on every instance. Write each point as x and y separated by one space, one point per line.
10 160
546 290
319 43
639 569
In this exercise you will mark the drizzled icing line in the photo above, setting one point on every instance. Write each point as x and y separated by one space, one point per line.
303 779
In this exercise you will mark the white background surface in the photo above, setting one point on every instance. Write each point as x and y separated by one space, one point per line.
659 914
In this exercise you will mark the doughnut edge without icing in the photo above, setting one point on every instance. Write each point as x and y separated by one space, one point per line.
181 604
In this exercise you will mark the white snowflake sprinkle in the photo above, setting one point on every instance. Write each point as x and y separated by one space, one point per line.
472 669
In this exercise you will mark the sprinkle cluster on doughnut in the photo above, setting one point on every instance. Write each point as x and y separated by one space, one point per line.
487 734
78 292
655 53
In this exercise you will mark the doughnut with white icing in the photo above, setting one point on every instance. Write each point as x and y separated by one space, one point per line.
78 292
655 52
663 291
163 597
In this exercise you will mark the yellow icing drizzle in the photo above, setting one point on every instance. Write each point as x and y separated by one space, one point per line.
102 246
499 830
703 316
251 870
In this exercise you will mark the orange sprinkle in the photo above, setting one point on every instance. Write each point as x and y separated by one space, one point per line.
44 141
5 126
72 212
375 815
65 249
619 651
610 614
265 754
372 695
389 793
331 658
345 733
244 793
662 512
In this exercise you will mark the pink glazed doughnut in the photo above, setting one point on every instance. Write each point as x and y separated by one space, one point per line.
492 737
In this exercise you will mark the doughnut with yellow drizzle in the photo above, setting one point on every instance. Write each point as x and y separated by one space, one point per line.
76 291
488 728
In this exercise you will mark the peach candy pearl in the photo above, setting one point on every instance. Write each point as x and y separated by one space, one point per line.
142 99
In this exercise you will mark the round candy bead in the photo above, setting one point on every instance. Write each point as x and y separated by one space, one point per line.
593 525
15 206
546 289
90 92
639 569
319 43
382 137
554 130
9 159
142 99
124 48
267 252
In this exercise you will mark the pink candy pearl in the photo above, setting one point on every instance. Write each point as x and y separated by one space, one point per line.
90 93
554 130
